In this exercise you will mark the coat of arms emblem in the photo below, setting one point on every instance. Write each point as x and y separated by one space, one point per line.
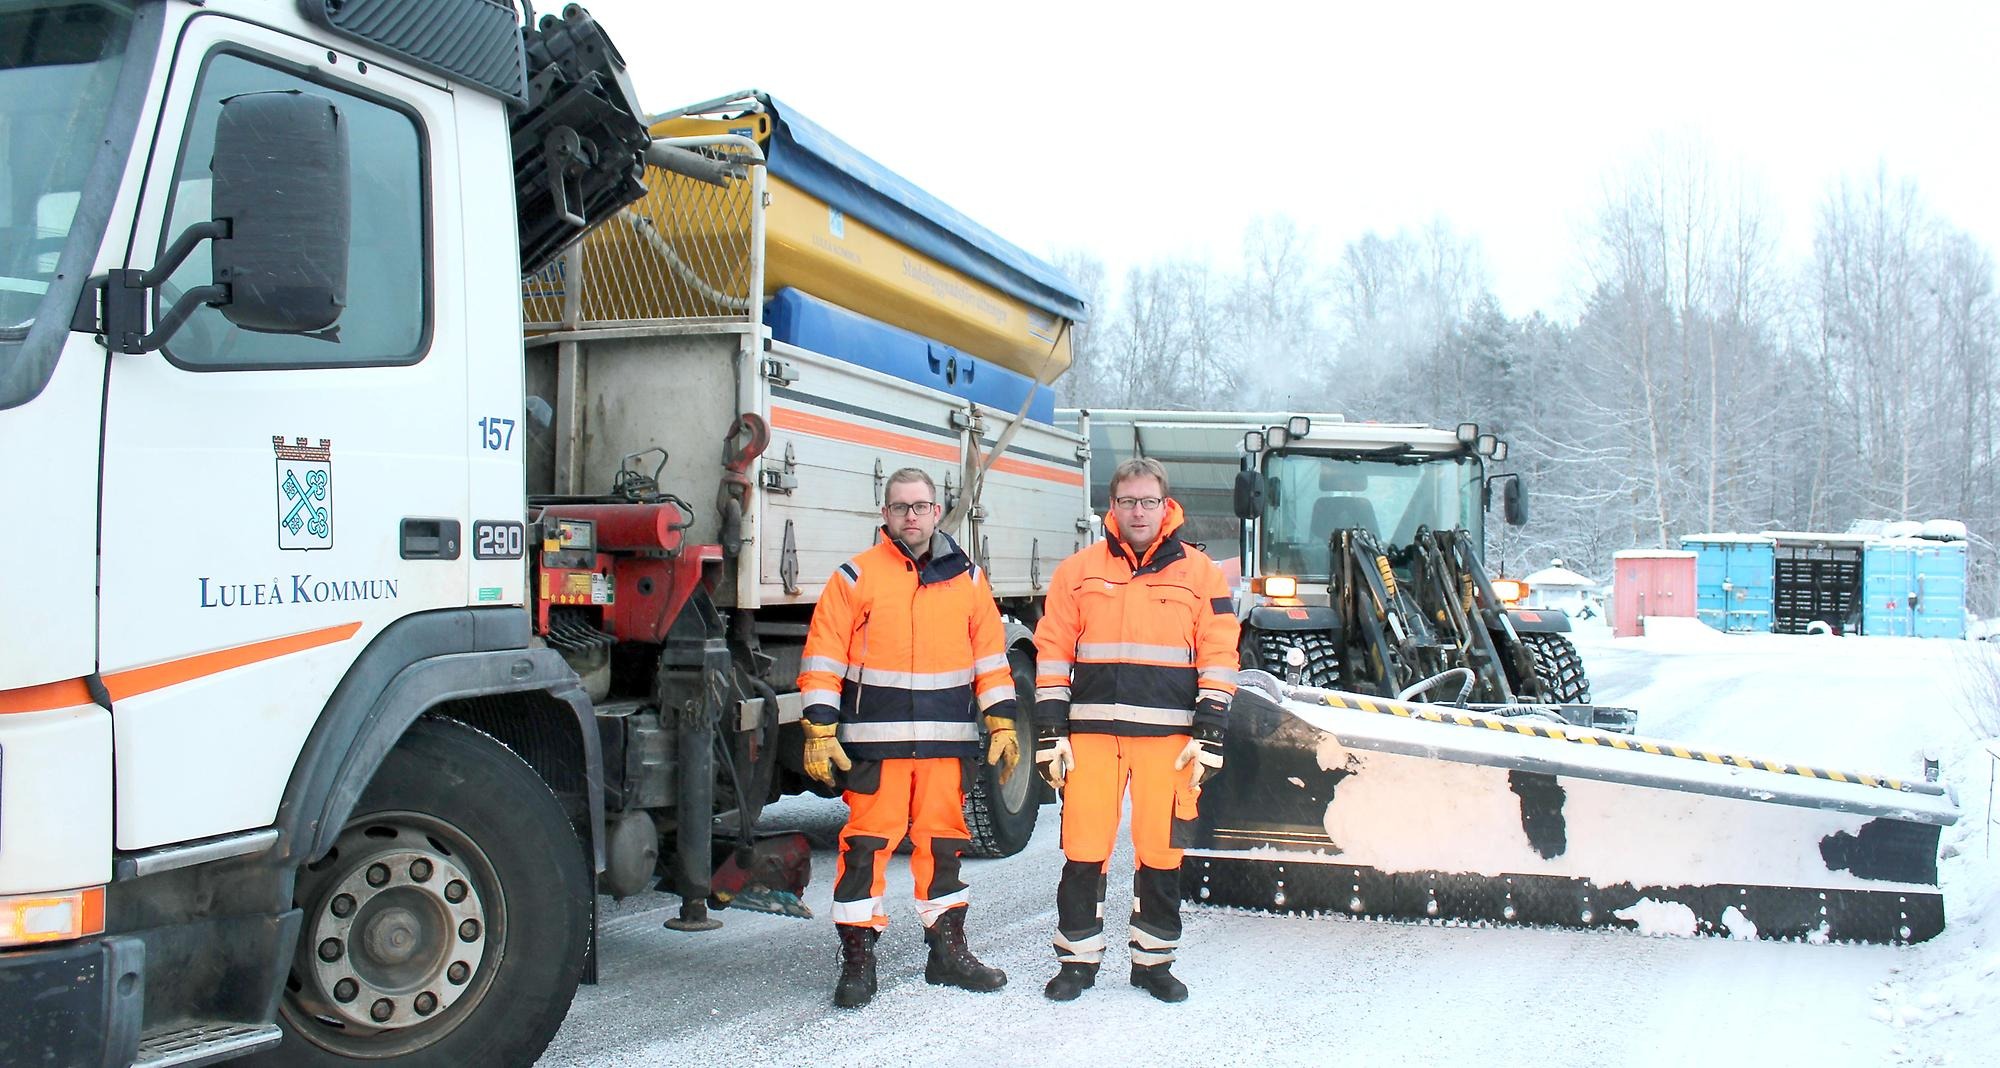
305 493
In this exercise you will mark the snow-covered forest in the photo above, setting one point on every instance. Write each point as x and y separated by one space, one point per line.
1702 377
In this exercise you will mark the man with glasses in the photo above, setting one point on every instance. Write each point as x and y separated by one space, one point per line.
905 644
1136 664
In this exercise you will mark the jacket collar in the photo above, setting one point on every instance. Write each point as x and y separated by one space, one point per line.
943 560
1165 549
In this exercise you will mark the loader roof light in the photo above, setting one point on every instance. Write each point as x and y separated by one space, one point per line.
1510 591
1253 441
1276 437
1485 444
1468 433
28 919
1298 426
1275 585
1499 451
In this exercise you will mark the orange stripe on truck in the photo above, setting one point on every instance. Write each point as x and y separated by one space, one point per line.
821 426
135 681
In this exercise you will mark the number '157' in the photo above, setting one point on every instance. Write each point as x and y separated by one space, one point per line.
496 433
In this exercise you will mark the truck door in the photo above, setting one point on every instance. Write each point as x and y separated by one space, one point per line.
271 502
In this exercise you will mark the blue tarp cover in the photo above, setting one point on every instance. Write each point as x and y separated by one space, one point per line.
802 153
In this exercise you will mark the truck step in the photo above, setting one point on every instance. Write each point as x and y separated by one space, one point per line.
204 1043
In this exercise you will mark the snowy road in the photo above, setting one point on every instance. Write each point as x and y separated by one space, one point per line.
1270 990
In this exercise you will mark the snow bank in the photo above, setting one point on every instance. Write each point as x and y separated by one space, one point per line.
1945 1002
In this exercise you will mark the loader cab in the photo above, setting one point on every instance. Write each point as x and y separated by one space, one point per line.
1301 482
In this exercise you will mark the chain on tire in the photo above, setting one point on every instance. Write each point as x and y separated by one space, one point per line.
1322 666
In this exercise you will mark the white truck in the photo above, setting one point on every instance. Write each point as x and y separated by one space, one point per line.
350 652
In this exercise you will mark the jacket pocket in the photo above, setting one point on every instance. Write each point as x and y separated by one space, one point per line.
865 777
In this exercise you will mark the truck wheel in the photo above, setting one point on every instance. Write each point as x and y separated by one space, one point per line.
1322 667
448 924
1002 817
1559 668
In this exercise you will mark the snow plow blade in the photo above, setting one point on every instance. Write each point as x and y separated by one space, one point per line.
1339 802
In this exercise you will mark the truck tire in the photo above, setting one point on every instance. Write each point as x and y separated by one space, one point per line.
448 924
1002 817
1559 668
1322 666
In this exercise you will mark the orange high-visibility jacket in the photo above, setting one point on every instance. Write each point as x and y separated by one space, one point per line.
901 652
1141 646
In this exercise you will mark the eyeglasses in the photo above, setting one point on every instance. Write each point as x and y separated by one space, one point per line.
912 508
1139 504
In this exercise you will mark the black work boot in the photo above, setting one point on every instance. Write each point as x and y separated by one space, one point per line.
1156 980
952 962
1071 980
857 966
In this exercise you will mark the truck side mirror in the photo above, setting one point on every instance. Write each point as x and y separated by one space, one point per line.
1514 502
1249 494
281 182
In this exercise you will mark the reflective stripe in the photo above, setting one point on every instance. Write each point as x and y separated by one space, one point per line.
910 731
929 911
1221 677
1050 668
1123 651
823 663
1081 951
1142 939
1140 956
996 662
829 698
1164 717
911 680
1219 696
993 695
857 911
1051 693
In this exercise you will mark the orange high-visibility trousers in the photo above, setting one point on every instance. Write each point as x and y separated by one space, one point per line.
885 799
1093 798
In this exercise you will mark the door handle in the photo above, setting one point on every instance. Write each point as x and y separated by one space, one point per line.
429 539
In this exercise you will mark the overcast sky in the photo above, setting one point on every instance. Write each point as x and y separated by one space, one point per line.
1142 131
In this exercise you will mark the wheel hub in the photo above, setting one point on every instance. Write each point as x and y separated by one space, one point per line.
395 936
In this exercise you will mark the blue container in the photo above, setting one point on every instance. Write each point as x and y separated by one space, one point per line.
797 318
1914 588
1732 580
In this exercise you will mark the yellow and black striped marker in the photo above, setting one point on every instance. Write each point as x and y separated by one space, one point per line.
1435 714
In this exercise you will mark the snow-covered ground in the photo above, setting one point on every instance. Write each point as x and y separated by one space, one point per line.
1290 990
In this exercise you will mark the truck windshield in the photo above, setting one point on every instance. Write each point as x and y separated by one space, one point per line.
58 64
1307 497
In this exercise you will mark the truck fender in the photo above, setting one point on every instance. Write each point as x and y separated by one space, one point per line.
412 666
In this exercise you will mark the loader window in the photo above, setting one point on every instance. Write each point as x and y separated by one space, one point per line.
1319 494
387 315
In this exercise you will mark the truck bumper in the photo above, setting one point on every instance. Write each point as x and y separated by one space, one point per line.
77 1004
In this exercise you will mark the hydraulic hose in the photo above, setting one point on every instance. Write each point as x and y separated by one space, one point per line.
1464 688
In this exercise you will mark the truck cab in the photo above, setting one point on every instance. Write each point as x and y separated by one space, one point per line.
259 385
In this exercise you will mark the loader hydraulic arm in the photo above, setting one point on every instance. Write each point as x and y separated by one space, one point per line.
1458 545
1457 591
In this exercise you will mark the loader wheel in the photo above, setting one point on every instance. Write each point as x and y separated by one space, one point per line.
1322 667
448 924
1558 668
1002 817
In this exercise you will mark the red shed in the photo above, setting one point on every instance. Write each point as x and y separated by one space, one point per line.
1650 582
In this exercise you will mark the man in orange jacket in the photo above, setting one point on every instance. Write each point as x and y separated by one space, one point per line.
1136 664
905 644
